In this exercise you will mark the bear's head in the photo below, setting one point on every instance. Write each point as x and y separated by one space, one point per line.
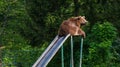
79 20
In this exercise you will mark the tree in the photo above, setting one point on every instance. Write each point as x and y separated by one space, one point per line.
100 46
76 7
47 15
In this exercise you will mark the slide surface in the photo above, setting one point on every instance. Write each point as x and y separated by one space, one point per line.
51 50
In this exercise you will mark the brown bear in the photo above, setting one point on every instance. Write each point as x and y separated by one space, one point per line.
72 26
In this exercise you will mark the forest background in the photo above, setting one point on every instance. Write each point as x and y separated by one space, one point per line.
28 26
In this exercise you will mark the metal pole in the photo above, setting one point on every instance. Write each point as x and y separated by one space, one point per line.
81 45
62 56
72 59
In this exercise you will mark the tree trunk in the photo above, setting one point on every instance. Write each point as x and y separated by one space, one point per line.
76 7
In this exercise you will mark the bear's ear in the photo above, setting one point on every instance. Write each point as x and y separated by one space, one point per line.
83 16
78 18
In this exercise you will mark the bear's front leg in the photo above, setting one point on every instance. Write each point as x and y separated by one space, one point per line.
82 33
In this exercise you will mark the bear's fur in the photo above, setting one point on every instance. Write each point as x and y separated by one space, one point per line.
72 26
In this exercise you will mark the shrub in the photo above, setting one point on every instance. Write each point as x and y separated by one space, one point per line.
100 42
103 31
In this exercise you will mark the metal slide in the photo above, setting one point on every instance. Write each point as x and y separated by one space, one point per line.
51 50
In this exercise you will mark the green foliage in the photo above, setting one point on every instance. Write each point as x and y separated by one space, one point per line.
24 56
101 52
48 16
100 44
15 50
103 31
115 50
28 22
